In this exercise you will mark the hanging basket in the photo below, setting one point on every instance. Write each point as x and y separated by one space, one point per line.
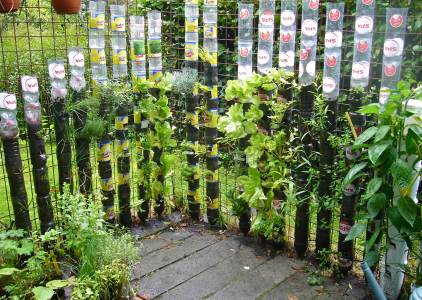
63 7
7 6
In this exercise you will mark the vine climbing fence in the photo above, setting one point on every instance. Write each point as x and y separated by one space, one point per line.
35 34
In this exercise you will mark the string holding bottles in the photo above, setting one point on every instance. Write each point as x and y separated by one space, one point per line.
96 26
396 19
308 44
137 44
154 45
363 40
191 33
245 40
286 60
265 35
333 48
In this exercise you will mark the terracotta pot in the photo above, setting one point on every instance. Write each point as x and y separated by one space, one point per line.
63 7
7 6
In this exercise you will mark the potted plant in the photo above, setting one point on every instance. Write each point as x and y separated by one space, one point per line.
7 6
63 7
240 209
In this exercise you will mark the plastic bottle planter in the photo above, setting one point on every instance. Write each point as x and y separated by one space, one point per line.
66 6
364 28
32 109
307 54
331 78
9 132
154 45
245 42
8 6
77 83
138 53
118 40
123 166
191 34
286 59
57 75
96 41
393 51
266 35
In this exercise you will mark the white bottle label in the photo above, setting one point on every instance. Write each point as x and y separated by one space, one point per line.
360 70
8 101
287 18
328 85
309 27
364 25
29 84
56 71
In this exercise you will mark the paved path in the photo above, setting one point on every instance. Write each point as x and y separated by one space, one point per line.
181 261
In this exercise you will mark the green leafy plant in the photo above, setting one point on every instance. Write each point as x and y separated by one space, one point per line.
391 150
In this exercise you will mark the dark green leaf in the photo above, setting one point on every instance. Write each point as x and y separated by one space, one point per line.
403 176
373 186
375 151
354 173
408 210
370 109
372 258
374 237
366 135
382 132
412 142
375 204
395 218
355 232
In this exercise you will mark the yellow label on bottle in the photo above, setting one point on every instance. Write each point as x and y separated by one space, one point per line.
138 59
213 151
118 23
97 21
191 52
104 152
155 76
121 122
119 57
212 176
123 179
107 185
214 92
122 146
193 118
214 58
137 117
212 119
191 25
210 31
98 56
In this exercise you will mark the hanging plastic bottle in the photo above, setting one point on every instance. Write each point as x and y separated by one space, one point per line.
57 73
96 40
137 42
8 124
154 45
118 40
288 13
245 40
76 60
266 35
31 95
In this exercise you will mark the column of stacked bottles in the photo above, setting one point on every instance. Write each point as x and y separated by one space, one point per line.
212 103
9 132
155 75
192 104
33 118
98 59
138 58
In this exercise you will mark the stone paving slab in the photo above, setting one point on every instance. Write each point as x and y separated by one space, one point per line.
165 279
190 262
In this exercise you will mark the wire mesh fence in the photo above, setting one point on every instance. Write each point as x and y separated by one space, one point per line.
34 34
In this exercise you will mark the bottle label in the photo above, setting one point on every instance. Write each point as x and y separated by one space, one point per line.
119 57
97 21
118 23
8 101
98 56
57 71
288 18
29 84
76 59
